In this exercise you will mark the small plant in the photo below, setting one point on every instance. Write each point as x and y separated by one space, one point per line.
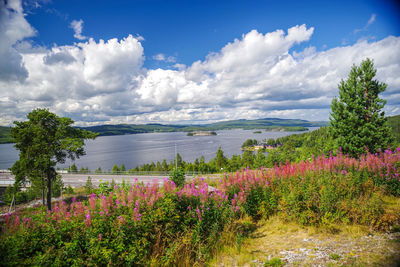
89 185
178 177
69 190
113 184
274 262
239 241
57 186
334 256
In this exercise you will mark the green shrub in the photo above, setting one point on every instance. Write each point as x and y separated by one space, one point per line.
178 177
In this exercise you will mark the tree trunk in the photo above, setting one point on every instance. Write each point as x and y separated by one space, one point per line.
49 190
43 192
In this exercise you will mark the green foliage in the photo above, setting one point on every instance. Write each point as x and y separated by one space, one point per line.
334 256
250 143
5 136
115 169
113 184
57 186
73 168
220 160
89 185
357 119
69 190
84 170
179 161
178 177
122 168
19 196
271 142
274 262
104 188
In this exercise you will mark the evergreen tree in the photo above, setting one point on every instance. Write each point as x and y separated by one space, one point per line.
164 165
357 119
115 169
220 159
73 168
122 168
259 159
179 162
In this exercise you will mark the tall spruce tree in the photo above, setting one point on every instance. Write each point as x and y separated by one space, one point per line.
357 120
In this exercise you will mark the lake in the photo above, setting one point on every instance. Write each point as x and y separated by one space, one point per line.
137 149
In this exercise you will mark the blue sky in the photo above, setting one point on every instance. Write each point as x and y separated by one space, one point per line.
190 61
189 30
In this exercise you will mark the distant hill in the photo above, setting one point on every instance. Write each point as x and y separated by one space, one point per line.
5 135
267 124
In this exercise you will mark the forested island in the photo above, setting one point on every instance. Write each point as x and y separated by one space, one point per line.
202 133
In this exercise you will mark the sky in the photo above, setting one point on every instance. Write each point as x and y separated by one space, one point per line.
190 62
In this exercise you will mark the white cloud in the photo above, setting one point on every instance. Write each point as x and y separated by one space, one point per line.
371 19
369 22
77 26
162 57
13 28
98 82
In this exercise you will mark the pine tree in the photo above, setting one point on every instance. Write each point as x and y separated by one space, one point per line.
43 141
220 159
357 120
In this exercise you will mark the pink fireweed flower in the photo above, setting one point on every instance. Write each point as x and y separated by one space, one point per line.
8 217
100 237
16 222
27 221
93 202
88 220
121 220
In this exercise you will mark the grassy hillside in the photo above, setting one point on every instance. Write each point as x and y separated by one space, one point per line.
5 135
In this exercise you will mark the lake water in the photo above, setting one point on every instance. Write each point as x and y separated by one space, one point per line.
137 149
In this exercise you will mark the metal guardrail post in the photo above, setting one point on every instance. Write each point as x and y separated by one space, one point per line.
12 202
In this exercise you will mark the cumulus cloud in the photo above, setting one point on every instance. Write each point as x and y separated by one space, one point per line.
77 26
58 57
255 76
13 28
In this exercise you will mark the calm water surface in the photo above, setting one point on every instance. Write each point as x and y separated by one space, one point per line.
136 149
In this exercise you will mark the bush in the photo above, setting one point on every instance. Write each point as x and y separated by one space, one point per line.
89 185
178 177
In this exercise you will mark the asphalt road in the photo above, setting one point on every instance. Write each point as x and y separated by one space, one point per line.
78 180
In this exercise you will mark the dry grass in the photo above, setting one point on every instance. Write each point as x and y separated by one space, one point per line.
295 245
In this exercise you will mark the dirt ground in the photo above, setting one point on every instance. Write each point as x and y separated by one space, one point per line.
293 245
